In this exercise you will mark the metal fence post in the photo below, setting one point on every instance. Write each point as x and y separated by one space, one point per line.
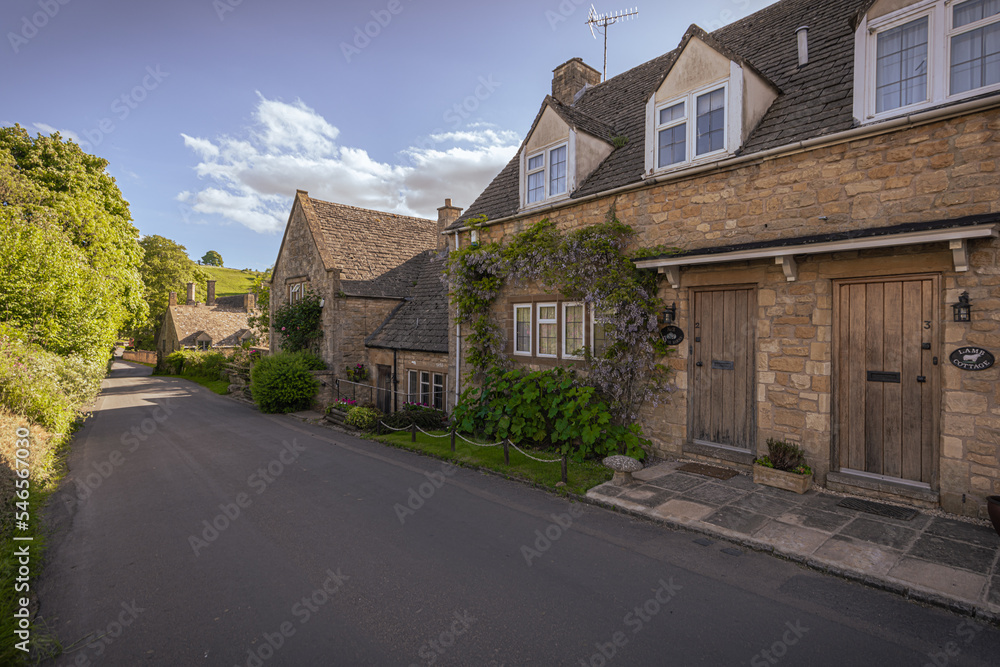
452 438
564 478
506 452
413 432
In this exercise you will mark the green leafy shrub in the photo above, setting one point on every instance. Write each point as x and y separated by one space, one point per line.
361 417
547 409
282 383
48 389
194 362
784 455
299 323
424 417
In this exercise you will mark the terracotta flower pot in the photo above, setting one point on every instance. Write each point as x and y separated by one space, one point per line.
993 507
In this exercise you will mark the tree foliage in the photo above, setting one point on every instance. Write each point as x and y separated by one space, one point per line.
68 251
300 324
211 258
165 268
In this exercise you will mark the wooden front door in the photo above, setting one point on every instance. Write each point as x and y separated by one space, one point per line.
383 399
886 380
722 370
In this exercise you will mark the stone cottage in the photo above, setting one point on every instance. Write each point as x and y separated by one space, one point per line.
829 171
219 324
384 303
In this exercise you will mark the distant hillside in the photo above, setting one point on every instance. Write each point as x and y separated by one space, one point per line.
230 281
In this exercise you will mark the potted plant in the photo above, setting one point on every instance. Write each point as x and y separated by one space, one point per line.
784 467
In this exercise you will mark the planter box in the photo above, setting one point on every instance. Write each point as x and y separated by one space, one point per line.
781 479
336 416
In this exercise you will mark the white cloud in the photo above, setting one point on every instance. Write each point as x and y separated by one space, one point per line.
65 134
289 146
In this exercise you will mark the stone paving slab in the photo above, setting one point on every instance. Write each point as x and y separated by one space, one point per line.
937 559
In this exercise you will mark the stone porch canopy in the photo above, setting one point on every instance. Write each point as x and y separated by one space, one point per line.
956 232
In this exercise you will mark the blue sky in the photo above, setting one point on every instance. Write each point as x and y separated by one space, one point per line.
212 112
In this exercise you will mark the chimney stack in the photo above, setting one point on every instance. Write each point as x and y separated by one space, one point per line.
802 36
571 77
172 299
190 299
447 214
249 301
210 300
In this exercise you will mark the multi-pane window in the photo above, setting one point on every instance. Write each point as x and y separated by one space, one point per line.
548 330
901 66
522 329
975 50
536 178
412 388
204 344
553 162
692 127
572 329
711 121
295 292
672 135
425 388
600 335
438 398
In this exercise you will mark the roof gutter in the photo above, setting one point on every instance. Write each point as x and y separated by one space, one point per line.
903 122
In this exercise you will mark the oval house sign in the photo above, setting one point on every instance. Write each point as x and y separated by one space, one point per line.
672 335
972 358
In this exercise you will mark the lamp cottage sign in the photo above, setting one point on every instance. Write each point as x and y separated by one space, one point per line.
972 358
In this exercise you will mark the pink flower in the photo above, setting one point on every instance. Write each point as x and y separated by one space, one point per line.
282 328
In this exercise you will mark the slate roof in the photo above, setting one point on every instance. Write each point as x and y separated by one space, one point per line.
421 322
223 324
394 283
814 100
363 243
848 235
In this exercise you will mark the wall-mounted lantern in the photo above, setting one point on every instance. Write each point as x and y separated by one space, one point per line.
963 311
670 313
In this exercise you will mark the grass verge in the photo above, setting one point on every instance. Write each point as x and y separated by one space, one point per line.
581 476
212 384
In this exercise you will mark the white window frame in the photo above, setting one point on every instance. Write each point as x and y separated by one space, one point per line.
940 32
438 380
539 322
691 120
566 352
295 292
527 307
412 387
546 171
427 397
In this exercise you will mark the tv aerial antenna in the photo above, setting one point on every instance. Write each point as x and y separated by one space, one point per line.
600 22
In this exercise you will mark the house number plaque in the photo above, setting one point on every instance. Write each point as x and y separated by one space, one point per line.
972 358
672 335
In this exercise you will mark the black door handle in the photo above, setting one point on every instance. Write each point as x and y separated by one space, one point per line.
697 363
921 378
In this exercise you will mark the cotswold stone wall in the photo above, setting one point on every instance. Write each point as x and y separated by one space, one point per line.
942 170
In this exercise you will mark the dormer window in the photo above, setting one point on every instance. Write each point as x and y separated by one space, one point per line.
928 53
678 140
546 172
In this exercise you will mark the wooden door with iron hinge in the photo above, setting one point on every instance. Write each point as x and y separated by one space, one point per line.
722 410
886 378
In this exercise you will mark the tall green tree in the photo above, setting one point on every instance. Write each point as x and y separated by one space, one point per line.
212 258
165 268
69 254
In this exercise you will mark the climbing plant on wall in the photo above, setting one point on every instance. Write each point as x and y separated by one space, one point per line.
591 265
300 324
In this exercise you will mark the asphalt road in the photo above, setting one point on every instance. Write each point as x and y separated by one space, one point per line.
193 530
